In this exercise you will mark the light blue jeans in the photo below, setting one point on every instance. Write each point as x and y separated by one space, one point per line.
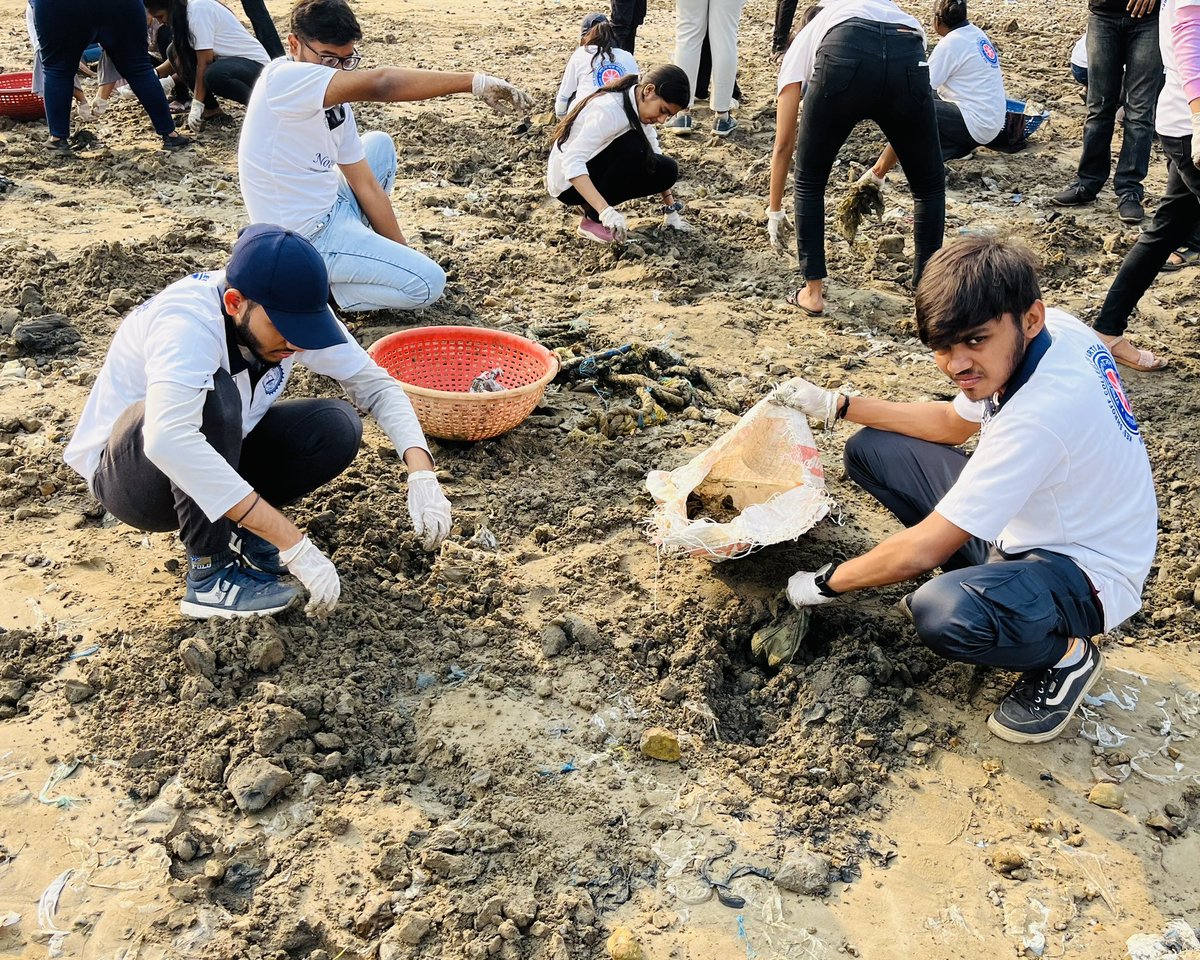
367 271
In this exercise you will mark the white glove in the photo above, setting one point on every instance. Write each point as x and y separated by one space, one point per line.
499 94
612 218
675 221
802 591
809 399
1196 140
195 118
99 107
428 508
83 110
318 574
168 85
869 179
777 225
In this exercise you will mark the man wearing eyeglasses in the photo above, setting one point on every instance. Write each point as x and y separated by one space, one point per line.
303 165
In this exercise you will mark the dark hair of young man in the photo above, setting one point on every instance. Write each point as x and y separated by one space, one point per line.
326 21
971 282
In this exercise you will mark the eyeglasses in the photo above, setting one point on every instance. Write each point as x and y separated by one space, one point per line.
336 63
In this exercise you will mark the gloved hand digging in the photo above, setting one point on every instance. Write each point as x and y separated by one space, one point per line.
779 229
802 591
428 508
195 118
614 220
809 399
499 94
318 574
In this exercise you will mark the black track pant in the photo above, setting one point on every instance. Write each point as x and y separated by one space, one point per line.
620 173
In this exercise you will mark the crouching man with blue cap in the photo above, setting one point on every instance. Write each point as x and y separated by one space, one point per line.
182 430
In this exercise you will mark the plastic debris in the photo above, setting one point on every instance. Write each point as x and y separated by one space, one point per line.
48 903
457 675
1128 700
1177 938
484 539
568 767
1101 734
57 776
426 680
10 919
488 381
85 652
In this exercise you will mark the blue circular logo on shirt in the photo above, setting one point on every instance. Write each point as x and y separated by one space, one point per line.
989 52
1114 390
607 73
272 380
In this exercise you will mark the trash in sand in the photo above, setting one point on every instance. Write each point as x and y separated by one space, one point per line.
456 675
767 467
1127 700
426 680
741 928
85 652
1027 920
1101 734
48 903
776 644
10 919
59 774
488 381
861 199
484 539
1177 938
568 767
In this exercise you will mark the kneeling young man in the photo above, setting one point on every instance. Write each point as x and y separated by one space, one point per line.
182 430
1038 556
302 164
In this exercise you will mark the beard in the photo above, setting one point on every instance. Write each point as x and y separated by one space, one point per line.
250 341
1018 355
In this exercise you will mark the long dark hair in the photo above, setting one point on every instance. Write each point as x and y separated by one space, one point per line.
603 38
183 51
669 81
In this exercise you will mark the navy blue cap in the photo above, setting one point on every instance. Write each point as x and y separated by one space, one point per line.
590 21
286 276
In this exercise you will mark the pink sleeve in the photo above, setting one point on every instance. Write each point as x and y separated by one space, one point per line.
1185 38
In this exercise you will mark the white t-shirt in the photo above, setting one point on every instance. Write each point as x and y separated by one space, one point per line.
597 125
964 68
1062 466
288 152
801 57
1173 117
214 27
179 337
585 74
1079 53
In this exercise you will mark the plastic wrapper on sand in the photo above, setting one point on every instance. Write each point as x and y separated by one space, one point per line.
768 465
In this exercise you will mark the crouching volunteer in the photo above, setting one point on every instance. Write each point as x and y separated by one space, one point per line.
302 164
606 151
182 429
1037 554
970 103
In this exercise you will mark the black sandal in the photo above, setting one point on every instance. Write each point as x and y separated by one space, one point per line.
793 299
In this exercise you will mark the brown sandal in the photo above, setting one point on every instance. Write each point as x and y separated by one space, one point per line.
1146 361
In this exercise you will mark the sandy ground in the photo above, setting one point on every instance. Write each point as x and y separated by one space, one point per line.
460 741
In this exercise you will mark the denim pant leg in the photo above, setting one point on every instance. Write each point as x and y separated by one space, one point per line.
136 492
1017 613
122 32
1143 83
910 477
1176 221
367 271
64 32
1106 65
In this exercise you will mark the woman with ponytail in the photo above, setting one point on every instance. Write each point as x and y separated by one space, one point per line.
596 63
606 151
214 54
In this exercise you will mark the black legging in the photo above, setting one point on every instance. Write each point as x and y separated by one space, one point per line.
627 16
867 70
264 27
232 78
65 29
620 172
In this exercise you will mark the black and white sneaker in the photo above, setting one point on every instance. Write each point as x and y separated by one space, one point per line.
1042 702
236 591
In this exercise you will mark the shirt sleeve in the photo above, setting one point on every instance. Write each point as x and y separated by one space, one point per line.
970 410
652 136
941 63
1185 40
173 442
350 149
568 87
202 24
1010 463
379 393
298 89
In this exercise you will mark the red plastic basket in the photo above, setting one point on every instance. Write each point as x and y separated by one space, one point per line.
435 366
17 99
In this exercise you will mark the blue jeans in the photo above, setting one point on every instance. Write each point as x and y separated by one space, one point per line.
1123 54
367 271
1013 611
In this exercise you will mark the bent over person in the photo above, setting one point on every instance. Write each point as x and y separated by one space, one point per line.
1037 556
183 429
303 165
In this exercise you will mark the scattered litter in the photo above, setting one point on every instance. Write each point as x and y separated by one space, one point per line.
861 199
85 652
457 675
568 767
704 711
10 919
558 730
426 680
449 212
484 539
1101 734
488 381
59 774
48 903
741 928
1127 700
1177 938
1027 920
1091 865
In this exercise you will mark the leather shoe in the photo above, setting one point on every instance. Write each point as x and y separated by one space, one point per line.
1073 196
1130 210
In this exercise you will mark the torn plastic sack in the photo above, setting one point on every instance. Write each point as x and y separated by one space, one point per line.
767 466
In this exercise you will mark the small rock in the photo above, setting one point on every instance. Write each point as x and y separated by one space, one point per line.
198 657
76 691
582 631
1160 821
803 871
46 334
671 691
265 653
410 929
859 687
214 869
1172 809
659 743
919 748
375 916
278 725
891 245
628 467
11 691
1006 859
993 765
328 741
865 739
509 930
554 640
184 847
544 687
255 782
623 945
120 299
1108 795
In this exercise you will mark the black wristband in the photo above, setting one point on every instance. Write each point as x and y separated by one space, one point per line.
843 409
821 580
238 521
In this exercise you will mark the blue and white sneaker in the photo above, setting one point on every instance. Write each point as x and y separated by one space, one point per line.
680 124
236 591
1042 702
725 125
257 552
